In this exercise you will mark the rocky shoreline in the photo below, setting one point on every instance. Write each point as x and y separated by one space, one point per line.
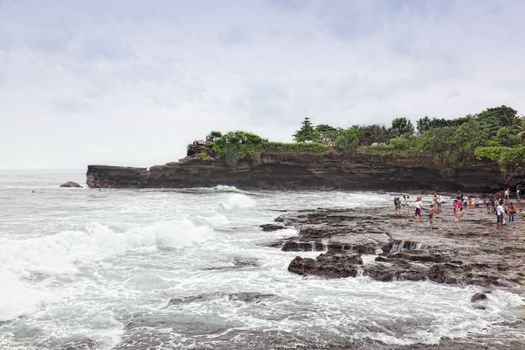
470 252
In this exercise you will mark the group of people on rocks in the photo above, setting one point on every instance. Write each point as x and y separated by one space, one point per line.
404 206
499 203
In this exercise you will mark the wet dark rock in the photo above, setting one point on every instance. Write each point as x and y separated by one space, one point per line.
337 247
79 344
445 273
479 301
478 296
240 261
392 272
415 255
274 244
466 274
281 218
316 232
298 246
247 297
382 258
396 245
70 184
327 265
271 227
368 248
165 331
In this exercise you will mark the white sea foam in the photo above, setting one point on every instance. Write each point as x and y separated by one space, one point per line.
84 262
18 298
217 220
65 251
238 201
225 188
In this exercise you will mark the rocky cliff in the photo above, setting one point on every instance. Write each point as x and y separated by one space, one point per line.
313 171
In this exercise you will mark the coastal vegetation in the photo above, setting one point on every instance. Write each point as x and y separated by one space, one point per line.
496 134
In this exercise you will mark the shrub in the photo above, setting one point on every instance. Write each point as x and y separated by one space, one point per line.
435 140
401 143
203 156
276 147
237 145
510 159
347 140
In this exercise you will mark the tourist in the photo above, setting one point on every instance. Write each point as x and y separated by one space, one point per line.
512 211
397 205
500 215
431 211
518 192
507 193
486 201
405 203
438 202
469 203
477 201
457 209
465 200
419 207
493 204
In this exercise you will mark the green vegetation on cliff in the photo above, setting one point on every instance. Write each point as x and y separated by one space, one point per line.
237 145
497 134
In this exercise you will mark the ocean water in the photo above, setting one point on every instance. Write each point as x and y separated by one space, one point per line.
78 264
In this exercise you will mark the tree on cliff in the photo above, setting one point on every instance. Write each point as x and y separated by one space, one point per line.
213 136
327 133
347 139
402 127
426 123
520 128
307 132
374 133
492 119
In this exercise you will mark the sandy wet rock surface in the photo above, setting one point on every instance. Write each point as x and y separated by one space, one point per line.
469 252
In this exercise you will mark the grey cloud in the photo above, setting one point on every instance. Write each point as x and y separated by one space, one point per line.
234 35
290 5
261 66
260 102
99 48
71 104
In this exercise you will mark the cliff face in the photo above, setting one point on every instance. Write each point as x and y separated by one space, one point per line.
313 171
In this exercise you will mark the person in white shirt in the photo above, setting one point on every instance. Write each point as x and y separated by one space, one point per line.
419 208
500 215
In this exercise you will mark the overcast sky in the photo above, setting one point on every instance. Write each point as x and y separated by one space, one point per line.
132 82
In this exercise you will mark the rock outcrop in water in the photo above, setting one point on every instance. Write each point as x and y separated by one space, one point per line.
329 265
294 170
71 184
